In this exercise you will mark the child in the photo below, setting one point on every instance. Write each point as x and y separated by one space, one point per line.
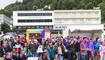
102 51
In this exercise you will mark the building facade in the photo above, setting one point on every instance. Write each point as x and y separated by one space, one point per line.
69 22
33 20
85 23
4 18
63 18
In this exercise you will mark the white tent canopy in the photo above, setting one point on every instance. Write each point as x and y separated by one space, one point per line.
86 27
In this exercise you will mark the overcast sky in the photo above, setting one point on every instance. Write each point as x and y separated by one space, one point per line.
4 3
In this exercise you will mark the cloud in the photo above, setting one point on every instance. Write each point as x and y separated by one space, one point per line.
4 3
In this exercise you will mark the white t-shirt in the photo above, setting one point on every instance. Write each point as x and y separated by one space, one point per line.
102 49
59 50
18 46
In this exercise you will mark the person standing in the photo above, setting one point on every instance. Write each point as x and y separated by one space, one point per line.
46 45
1 52
60 50
25 49
43 41
97 46
95 54
91 49
45 55
12 40
18 46
23 56
77 46
84 49
51 52
71 49
102 51
32 48
14 55
8 56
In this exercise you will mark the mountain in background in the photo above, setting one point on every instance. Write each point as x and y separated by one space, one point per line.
56 5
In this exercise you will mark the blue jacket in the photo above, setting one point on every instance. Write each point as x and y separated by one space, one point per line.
51 53
97 47
64 42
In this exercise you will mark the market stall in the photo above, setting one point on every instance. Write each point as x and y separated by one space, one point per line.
37 34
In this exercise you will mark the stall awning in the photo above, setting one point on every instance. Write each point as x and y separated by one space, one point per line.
86 27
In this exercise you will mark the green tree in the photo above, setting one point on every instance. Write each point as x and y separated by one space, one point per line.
6 12
81 5
13 28
69 4
102 7
90 5
5 27
56 5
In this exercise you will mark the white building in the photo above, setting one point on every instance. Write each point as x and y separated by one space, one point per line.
70 22
85 23
5 19
33 19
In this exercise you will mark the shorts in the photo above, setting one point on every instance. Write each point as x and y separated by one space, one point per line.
98 55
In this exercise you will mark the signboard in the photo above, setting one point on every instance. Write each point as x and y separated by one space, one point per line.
34 33
37 33
47 34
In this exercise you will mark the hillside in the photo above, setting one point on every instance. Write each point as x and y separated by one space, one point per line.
58 5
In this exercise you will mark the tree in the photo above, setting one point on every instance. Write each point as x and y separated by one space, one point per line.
102 6
5 27
69 4
13 28
6 12
56 5
81 4
90 5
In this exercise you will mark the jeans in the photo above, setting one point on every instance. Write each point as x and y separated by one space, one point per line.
70 55
52 59
79 55
60 57
91 55
29 55
33 53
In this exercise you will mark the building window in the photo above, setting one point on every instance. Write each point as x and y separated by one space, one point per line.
50 27
33 27
37 27
34 20
28 27
34 14
19 27
24 27
46 27
41 27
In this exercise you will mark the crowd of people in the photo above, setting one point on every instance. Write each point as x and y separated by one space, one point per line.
59 48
